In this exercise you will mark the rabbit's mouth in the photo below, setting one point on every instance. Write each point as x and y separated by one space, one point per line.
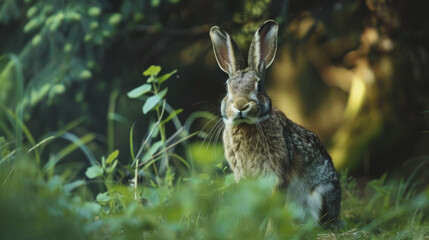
240 119
244 111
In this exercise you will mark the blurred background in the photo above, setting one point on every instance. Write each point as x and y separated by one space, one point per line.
354 72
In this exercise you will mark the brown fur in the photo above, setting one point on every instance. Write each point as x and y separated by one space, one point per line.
257 149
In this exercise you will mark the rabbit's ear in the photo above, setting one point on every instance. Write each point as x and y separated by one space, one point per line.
227 53
263 47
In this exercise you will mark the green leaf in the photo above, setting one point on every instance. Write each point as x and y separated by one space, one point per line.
172 115
152 71
94 25
137 92
152 150
112 156
31 11
33 24
152 101
166 76
94 171
111 168
36 40
155 3
94 11
85 74
163 93
155 129
103 197
115 19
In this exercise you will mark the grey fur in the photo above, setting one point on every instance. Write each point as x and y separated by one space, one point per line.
260 140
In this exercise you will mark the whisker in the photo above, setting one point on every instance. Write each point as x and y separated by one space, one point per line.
205 125
200 103
210 133
218 133
215 129
222 126
212 141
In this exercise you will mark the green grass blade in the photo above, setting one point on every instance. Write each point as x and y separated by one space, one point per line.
16 63
46 140
172 145
181 159
132 141
66 128
76 143
140 152
20 123
23 128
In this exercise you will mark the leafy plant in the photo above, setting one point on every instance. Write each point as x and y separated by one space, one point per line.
156 145
152 168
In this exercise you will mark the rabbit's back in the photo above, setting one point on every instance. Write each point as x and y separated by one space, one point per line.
307 155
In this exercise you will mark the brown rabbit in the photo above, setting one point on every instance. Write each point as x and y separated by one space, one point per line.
260 140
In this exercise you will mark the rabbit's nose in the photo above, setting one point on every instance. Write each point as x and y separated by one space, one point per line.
245 108
241 105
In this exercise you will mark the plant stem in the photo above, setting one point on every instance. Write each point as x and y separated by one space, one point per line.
110 121
135 179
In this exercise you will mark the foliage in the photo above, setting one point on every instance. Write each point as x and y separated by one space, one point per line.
72 34
157 146
46 207
57 55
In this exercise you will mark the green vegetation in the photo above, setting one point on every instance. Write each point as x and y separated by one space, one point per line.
42 199
90 149
39 207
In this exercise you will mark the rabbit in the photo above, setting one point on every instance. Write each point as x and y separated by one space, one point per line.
259 140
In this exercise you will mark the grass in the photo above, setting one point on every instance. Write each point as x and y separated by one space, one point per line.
34 205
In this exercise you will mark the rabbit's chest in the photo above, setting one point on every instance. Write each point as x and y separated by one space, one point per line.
251 151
